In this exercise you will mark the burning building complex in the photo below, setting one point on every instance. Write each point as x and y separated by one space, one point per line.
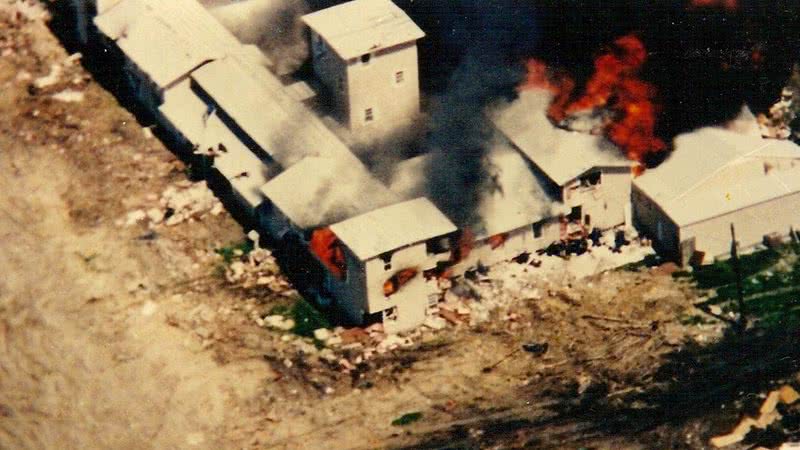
380 242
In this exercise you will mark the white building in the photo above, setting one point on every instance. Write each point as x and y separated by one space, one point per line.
365 52
715 178
585 173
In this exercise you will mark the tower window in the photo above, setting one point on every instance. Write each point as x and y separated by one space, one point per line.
399 77
368 115
365 58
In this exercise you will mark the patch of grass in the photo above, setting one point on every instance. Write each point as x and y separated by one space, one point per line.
407 419
693 320
721 273
307 318
229 252
647 261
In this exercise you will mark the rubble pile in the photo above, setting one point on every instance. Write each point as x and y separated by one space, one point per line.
181 202
499 293
258 268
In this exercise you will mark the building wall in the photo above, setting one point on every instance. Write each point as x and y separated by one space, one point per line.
519 241
713 235
350 293
605 202
652 221
332 71
374 86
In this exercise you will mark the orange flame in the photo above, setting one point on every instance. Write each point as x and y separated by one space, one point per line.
398 280
326 246
497 240
614 86
463 246
728 5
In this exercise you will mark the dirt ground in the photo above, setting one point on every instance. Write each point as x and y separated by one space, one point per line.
115 336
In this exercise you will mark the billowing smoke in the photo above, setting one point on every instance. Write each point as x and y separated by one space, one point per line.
484 42
704 60
272 25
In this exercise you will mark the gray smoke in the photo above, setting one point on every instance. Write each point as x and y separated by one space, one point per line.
461 134
272 25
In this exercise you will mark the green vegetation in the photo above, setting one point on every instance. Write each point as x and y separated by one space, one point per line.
307 318
721 272
230 252
772 297
407 419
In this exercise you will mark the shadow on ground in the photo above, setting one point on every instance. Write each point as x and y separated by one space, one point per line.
693 384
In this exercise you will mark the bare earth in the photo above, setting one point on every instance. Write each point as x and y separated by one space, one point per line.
111 337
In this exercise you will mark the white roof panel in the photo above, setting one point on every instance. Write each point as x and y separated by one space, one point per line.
392 227
166 39
363 26
562 155
694 183
286 129
317 192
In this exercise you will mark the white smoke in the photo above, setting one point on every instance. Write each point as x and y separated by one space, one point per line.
272 25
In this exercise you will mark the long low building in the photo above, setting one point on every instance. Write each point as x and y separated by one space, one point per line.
716 178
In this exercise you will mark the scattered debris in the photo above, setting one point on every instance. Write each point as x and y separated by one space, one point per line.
536 348
407 419
767 415
69 96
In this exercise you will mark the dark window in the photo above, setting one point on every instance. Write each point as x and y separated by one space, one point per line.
399 77
365 58
437 246
587 219
590 179
387 260
368 115
575 214
537 230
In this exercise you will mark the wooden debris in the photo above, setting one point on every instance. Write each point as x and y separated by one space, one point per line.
768 415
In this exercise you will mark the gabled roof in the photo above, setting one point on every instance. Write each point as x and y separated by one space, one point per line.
263 108
186 36
316 192
363 26
562 155
392 227
204 129
714 171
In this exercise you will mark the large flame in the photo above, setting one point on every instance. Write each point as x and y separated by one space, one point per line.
398 280
326 246
615 87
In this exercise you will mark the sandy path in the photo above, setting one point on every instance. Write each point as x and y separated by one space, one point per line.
88 364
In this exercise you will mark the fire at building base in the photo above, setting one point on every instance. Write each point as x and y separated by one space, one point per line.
381 243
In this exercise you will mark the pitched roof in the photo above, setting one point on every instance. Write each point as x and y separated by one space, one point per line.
285 128
190 115
392 227
317 192
362 26
713 171
187 36
562 155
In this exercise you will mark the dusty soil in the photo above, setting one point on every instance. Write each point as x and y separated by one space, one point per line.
118 336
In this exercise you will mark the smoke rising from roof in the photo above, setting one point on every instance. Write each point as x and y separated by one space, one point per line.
272 25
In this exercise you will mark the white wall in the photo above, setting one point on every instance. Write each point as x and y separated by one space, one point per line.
605 202
373 85
713 235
